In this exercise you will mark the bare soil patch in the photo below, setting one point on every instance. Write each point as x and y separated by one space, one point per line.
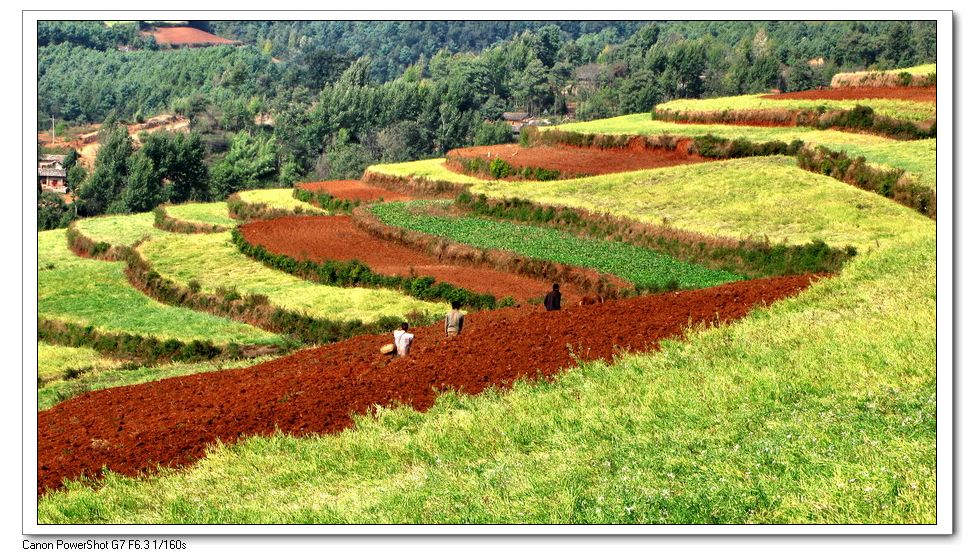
353 190
578 161
916 94
320 238
171 422
187 36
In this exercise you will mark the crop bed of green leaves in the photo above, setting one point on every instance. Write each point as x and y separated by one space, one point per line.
642 267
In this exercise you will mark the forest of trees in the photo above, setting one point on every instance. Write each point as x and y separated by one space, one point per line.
343 95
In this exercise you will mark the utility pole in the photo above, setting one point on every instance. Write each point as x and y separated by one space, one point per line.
53 138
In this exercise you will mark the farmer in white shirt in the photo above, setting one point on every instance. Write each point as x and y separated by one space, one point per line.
403 340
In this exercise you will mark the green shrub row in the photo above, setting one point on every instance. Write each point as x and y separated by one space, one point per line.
165 222
249 212
533 136
859 118
748 258
893 183
150 350
499 168
710 146
325 201
255 310
356 274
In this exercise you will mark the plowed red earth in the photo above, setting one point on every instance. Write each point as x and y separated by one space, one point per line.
353 190
916 94
182 36
171 422
571 160
320 238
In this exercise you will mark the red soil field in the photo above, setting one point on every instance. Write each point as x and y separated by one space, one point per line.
320 238
171 422
353 190
916 94
572 160
185 36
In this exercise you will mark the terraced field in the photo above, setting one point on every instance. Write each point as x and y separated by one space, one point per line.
640 266
819 408
96 293
749 197
212 213
915 157
127 229
214 262
897 109
279 198
432 169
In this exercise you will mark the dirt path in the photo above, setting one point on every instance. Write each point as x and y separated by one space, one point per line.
353 190
171 422
917 94
572 161
320 238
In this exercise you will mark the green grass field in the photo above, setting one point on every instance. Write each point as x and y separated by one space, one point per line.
893 108
748 197
96 293
279 198
212 213
819 409
213 261
126 229
54 360
640 266
103 373
432 169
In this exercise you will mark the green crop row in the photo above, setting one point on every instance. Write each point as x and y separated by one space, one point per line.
747 258
644 268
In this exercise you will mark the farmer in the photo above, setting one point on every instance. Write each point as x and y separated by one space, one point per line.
454 322
553 301
403 340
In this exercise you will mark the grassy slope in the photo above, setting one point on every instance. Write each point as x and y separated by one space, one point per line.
121 230
96 293
105 374
432 169
639 266
54 360
213 261
213 213
759 197
894 108
819 409
923 69
916 157
278 198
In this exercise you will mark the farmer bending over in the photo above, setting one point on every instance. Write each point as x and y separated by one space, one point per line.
553 301
403 340
454 322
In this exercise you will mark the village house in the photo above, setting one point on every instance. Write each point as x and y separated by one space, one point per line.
51 173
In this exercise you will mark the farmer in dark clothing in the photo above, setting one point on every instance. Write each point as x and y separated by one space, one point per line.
553 301
454 322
